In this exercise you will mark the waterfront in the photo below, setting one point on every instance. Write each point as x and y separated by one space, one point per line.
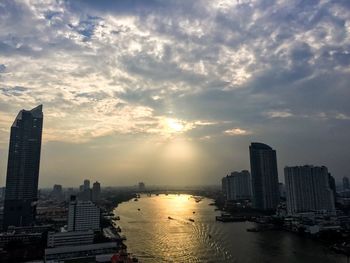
153 237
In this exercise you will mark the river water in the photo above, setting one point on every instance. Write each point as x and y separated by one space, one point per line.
152 237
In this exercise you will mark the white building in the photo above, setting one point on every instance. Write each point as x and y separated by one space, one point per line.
237 186
70 238
307 189
83 215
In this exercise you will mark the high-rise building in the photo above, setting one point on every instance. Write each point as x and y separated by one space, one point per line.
282 190
237 186
23 168
86 184
83 216
333 187
346 183
308 189
57 192
96 191
263 163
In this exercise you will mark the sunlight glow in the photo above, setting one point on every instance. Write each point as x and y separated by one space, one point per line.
175 125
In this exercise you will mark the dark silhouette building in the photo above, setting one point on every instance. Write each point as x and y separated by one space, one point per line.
96 191
23 168
263 163
346 183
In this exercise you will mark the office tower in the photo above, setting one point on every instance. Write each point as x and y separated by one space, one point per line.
308 189
333 187
263 163
282 190
237 186
23 168
83 215
346 183
2 193
86 184
57 192
96 191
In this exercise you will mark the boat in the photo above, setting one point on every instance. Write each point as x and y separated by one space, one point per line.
139 209
253 229
136 199
118 229
209 236
193 212
115 218
169 217
190 219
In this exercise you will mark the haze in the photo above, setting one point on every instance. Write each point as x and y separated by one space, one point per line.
173 92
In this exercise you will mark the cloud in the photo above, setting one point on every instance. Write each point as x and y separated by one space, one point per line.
342 116
278 114
105 69
237 132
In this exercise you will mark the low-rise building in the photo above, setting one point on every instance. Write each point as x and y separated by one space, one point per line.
70 238
80 253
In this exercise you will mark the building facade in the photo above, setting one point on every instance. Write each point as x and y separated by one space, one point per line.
263 163
96 191
23 168
83 216
70 238
308 189
237 186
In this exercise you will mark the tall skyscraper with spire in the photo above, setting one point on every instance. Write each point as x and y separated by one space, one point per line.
263 163
23 168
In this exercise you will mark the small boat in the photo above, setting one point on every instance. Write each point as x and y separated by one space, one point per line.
136 199
253 229
116 218
190 219
169 217
209 236
139 209
193 212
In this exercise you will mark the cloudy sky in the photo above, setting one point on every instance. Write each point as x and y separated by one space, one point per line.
173 92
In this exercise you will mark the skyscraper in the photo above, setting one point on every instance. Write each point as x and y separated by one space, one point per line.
86 184
96 191
308 189
263 163
23 168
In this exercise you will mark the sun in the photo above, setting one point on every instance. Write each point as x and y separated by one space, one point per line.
175 125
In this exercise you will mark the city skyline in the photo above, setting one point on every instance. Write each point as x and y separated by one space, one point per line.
172 93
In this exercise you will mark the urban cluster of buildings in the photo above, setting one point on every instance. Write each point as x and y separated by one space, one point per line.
307 188
73 234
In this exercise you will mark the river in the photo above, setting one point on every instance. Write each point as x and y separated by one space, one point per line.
153 237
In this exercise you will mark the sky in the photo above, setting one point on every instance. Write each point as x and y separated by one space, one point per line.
173 92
